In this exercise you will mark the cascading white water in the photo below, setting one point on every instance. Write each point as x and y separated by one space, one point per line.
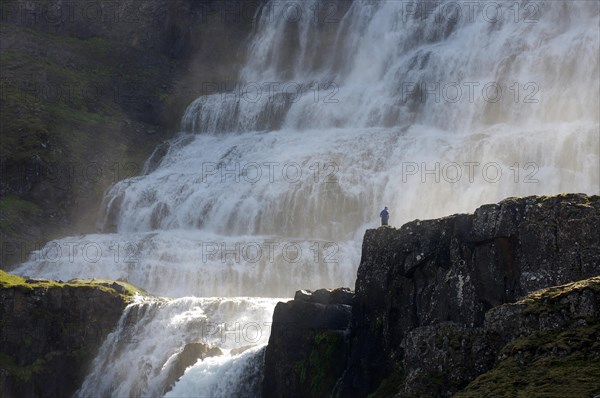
388 127
137 358
429 108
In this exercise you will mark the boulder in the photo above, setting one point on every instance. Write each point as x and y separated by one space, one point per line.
191 353
454 269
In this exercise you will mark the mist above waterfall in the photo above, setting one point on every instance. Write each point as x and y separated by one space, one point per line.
340 109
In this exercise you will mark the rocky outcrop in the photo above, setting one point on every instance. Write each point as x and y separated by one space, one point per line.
190 354
553 345
539 341
440 358
307 349
51 331
456 268
432 312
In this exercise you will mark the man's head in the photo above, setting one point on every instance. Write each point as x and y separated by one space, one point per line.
386 207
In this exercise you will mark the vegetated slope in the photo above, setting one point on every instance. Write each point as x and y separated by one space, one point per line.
87 93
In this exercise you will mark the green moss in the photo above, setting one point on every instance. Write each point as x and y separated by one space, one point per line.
558 379
24 373
324 359
69 102
299 369
129 289
548 300
82 355
558 363
32 109
390 386
71 142
14 211
325 364
39 112
21 373
126 290
9 280
66 104
556 341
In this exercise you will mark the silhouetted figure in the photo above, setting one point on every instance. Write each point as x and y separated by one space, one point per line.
385 215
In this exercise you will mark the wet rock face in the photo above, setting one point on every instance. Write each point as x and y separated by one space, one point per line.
456 268
50 335
190 354
307 348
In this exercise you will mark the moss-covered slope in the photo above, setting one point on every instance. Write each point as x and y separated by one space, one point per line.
559 360
87 92
76 116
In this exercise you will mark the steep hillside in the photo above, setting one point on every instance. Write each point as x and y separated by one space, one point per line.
88 91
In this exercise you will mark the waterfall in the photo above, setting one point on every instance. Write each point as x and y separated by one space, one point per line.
138 358
430 108
339 112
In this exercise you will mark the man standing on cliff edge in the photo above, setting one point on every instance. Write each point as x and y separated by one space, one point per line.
385 215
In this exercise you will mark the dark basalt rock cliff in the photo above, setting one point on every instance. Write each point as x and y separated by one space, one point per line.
307 349
430 311
50 332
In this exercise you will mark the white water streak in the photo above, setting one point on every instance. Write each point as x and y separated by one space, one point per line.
135 359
